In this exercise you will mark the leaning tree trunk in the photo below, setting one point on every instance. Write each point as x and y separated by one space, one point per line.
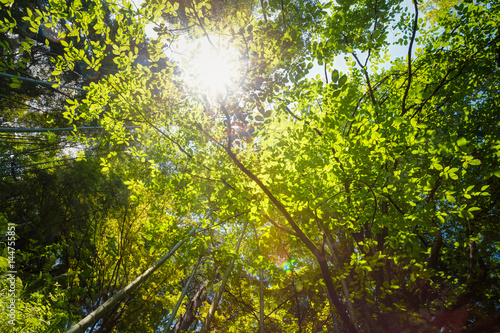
97 314
185 321
215 302
261 300
299 233
183 293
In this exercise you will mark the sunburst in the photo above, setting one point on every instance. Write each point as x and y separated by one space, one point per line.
212 66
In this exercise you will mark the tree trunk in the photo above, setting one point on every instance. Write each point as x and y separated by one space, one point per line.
215 303
261 300
98 313
183 293
189 316
320 257
348 302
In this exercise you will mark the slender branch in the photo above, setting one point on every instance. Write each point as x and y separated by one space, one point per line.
216 180
263 10
365 72
156 128
244 305
326 74
283 14
375 87
229 125
317 132
279 306
410 50
203 26
388 196
278 226
293 115
375 9
208 135
367 78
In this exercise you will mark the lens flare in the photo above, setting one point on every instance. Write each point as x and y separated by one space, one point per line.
287 267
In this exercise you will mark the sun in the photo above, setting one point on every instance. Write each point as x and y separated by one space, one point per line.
212 66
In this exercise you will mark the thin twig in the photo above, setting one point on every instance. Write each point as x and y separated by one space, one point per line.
410 48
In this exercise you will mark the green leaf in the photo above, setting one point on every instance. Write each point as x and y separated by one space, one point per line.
461 142
15 85
437 166
398 121
335 75
342 80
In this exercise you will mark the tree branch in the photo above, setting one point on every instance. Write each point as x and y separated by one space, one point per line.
410 50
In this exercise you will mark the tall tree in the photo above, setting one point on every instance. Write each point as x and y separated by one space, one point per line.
374 192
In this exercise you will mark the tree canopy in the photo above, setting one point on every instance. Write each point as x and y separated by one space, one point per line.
296 194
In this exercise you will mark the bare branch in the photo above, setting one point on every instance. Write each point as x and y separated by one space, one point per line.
410 50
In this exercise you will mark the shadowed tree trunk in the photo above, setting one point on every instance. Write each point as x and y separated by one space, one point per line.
189 316
97 314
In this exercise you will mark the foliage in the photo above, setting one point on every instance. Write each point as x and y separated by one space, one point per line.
371 196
